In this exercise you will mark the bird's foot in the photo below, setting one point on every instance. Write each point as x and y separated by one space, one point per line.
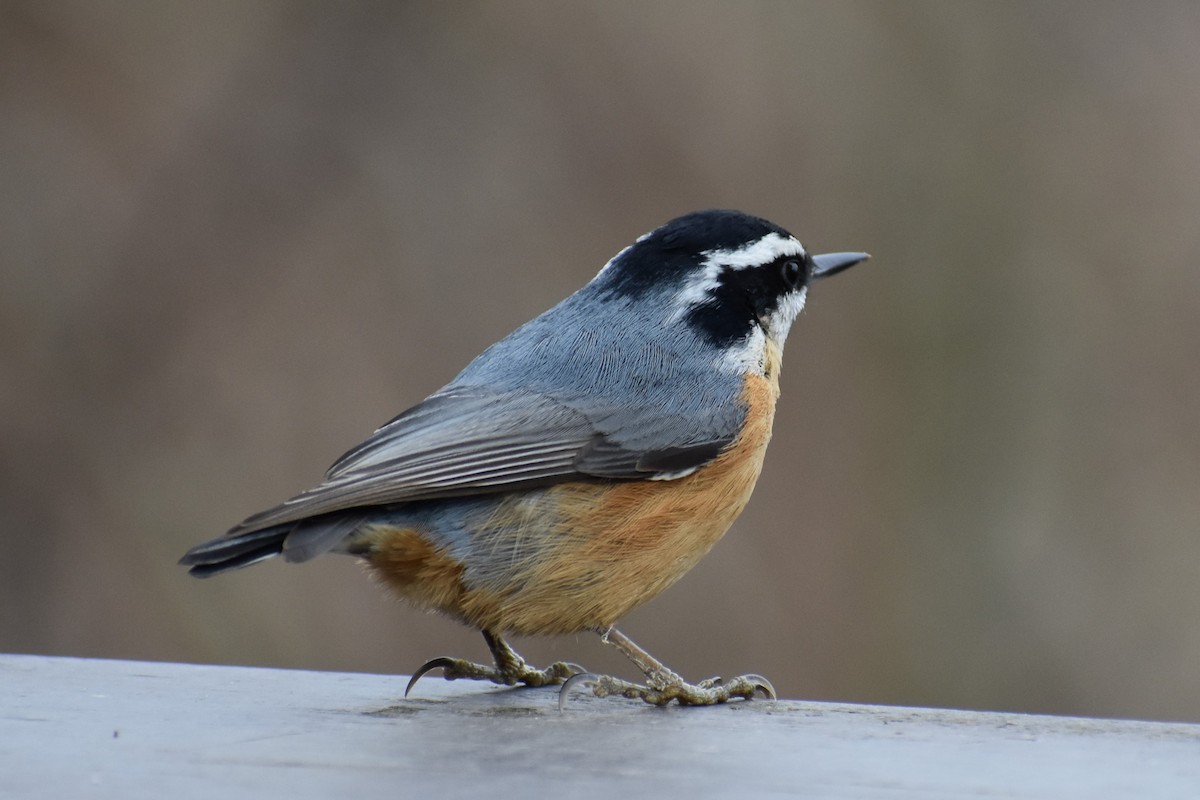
705 693
456 668
509 670
662 685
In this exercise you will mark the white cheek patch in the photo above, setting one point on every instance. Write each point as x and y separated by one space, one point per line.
779 321
750 354
745 356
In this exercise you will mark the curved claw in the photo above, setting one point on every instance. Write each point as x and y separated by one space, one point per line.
763 685
436 663
578 679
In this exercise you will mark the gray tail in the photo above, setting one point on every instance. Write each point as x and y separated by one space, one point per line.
234 552
295 541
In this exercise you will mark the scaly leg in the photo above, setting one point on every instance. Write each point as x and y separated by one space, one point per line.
663 685
510 668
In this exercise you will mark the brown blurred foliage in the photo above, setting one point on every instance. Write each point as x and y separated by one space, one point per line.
235 237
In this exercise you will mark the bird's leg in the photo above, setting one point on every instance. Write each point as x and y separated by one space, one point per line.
510 668
663 685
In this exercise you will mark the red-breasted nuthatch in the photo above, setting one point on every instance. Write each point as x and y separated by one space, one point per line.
580 465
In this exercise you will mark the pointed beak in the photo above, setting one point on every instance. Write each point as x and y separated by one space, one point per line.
833 263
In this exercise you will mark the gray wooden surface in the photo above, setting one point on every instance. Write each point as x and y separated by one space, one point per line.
74 728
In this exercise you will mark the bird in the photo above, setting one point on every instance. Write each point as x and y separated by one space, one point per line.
577 467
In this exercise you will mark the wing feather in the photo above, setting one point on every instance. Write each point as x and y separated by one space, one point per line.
475 440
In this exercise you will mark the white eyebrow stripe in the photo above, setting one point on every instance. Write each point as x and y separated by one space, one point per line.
699 286
764 251
697 289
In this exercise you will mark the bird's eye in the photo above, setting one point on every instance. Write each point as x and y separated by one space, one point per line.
793 272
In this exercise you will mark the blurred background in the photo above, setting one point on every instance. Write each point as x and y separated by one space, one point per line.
236 237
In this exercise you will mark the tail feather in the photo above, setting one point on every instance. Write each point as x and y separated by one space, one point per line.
234 552
245 559
296 541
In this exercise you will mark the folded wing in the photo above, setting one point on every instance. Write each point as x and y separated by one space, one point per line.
473 440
